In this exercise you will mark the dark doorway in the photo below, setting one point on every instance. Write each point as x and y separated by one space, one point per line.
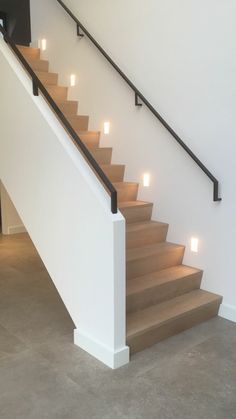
3 20
15 16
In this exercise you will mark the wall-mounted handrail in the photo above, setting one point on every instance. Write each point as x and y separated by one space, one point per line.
38 86
139 95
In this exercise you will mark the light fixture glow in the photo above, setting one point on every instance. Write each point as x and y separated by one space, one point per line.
194 244
146 179
72 80
43 44
107 128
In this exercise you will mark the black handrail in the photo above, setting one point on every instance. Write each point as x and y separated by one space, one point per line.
38 86
139 95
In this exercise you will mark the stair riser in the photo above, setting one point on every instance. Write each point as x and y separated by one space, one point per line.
115 173
58 93
69 108
102 156
79 123
39 65
158 294
156 234
153 263
127 193
48 78
172 327
135 215
92 141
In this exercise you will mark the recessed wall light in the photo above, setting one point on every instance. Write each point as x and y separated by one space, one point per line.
107 127
146 179
194 244
43 44
72 80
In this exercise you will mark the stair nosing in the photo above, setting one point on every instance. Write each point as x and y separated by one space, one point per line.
144 225
136 204
156 246
169 319
162 281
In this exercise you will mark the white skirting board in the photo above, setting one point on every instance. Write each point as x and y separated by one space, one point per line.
16 229
228 312
113 359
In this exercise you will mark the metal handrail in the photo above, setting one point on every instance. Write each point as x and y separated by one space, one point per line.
38 86
140 96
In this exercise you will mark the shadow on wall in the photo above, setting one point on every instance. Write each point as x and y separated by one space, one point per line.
16 16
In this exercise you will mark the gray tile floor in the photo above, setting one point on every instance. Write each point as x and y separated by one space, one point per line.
43 375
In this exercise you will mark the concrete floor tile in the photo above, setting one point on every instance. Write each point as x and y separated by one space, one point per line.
9 344
30 388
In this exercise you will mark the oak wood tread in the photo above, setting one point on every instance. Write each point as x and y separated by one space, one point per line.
29 51
159 278
144 225
161 314
160 286
131 204
154 249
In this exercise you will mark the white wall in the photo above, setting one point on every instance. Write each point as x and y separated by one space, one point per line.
11 222
66 212
182 57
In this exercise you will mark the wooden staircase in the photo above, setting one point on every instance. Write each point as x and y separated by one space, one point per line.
163 295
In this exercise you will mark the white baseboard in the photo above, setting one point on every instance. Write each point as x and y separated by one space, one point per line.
16 229
113 359
228 312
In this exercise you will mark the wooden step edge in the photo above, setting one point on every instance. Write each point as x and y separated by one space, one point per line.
28 48
65 102
89 132
113 165
42 73
56 86
134 204
141 226
121 185
137 253
213 298
75 118
155 279
142 293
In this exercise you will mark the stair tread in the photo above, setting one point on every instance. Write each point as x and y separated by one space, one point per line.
37 60
62 102
26 48
72 117
101 148
87 132
151 249
164 276
53 86
159 314
130 204
42 73
120 185
143 225
112 165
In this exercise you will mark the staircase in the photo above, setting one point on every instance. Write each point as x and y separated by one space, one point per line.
163 295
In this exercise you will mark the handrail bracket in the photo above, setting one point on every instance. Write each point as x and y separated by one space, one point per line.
35 88
80 34
137 103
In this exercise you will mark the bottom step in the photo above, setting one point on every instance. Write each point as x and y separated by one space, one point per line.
158 322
